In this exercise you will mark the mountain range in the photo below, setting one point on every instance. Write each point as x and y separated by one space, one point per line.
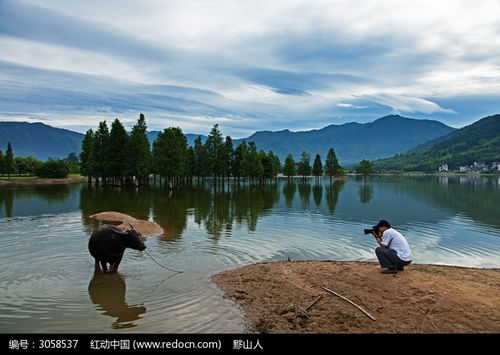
478 142
39 140
352 142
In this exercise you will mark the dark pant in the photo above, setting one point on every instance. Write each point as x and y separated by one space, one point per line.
388 258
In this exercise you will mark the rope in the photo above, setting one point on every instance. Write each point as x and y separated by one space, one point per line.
176 271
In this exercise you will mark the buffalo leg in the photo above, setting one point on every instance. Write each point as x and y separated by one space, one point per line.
104 266
97 268
115 265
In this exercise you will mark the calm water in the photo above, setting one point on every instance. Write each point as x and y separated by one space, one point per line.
47 281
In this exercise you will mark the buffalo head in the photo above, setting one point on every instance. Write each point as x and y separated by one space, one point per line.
132 239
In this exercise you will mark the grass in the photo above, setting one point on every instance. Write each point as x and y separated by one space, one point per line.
27 177
18 177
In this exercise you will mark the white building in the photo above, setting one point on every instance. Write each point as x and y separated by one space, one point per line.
443 168
464 169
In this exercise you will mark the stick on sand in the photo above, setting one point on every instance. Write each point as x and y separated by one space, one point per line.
351 302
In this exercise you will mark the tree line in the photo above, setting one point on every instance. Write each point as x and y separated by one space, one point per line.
114 157
29 166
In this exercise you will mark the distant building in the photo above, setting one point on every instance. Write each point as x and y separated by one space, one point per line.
443 168
495 166
479 166
464 169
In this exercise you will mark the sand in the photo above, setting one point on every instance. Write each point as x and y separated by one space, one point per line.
421 299
146 228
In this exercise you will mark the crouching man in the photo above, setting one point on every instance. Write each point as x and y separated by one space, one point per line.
393 252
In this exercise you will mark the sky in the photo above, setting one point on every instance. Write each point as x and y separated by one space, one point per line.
248 65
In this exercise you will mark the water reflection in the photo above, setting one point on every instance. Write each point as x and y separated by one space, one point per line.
305 194
453 221
107 292
289 189
317 194
478 197
218 211
20 199
332 194
365 193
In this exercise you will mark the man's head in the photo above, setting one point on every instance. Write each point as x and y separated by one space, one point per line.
383 225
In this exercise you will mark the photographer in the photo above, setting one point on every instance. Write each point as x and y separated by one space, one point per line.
393 252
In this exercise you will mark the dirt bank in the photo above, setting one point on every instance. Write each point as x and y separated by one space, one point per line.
421 299
41 181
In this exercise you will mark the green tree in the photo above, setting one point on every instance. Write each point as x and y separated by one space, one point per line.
72 158
86 168
332 166
73 163
227 157
275 163
190 163
22 168
200 158
214 148
267 165
289 169
53 169
155 159
304 165
239 155
139 151
2 163
365 169
10 164
100 152
118 150
32 164
170 152
251 164
317 169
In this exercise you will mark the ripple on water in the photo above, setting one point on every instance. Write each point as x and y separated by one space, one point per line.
48 283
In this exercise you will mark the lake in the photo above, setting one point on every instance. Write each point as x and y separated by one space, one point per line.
47 281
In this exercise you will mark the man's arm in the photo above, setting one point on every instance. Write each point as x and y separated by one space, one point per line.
378 238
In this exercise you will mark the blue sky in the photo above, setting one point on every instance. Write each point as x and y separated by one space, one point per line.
247 65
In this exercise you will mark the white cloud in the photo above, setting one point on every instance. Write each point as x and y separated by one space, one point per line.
408 104
346 105
57 57
406 50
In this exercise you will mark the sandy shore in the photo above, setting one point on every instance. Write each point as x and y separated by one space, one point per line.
421 299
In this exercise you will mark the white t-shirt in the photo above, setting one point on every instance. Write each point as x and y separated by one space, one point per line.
395 240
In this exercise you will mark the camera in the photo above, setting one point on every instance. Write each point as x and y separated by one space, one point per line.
372 230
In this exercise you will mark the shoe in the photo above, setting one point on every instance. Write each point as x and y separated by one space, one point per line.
388 271
401 268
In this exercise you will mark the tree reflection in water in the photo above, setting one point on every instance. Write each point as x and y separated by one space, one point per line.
365 193
217 210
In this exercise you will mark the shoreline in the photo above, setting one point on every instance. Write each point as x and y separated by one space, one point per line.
422 299
41 181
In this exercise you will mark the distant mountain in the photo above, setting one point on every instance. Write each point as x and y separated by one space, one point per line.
43 141
353 142
478 142
39 140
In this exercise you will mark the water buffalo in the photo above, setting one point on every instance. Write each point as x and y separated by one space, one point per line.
108 243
